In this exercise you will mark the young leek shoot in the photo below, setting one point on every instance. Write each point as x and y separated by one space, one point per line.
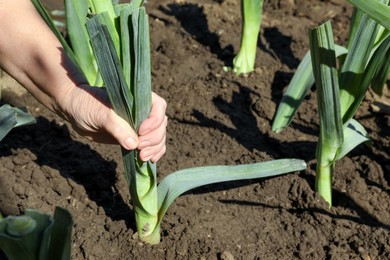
302 79
251 15
331 127
339 133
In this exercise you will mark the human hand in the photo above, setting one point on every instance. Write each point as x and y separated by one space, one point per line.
152 132
88 110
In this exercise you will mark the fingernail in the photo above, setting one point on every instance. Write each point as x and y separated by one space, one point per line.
130 143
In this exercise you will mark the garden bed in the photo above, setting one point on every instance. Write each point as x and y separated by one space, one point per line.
214 118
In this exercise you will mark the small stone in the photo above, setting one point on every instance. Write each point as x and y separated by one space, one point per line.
227 256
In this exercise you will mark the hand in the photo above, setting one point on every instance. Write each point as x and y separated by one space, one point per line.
88 110
152 132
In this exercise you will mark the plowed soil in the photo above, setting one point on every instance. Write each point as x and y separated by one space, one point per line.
214 118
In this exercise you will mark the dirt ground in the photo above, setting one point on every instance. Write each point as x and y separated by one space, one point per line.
214 118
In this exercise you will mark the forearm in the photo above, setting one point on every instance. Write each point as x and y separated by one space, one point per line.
31 54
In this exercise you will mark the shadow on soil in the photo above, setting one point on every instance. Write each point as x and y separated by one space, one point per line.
246 131
193 20
341 199
54 147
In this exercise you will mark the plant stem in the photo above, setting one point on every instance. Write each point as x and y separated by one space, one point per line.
142 180
324 174
251 12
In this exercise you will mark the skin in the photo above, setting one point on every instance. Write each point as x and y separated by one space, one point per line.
31 54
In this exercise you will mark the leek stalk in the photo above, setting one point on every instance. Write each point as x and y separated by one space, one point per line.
331 127
251 15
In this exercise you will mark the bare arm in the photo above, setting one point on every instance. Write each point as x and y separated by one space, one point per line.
31 53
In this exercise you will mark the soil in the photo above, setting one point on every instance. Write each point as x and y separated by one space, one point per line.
214 118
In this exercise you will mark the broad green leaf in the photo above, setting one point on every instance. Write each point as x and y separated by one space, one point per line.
76 17
143 81
381 74
379 58
101 6
355 63
109 19
7 120
36 235
297 89
57 238
356 19
354 134
184 180
127 57
110 68
11 117
377 10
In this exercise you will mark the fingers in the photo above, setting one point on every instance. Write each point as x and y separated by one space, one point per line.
152 145
153 153
152 132
156 117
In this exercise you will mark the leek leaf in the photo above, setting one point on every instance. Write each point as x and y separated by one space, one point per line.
11 117
377 10
354 134
297 89
378 60
355 63
36 235
110 68
381 74
76 17
181 181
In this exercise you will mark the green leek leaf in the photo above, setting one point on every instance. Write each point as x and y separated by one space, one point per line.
377 10
36 235
355 63
378 60
110 68
11 117
76 17
354 134
181 181
297 89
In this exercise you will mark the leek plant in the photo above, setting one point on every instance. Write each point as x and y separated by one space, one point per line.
122 57
11 117
303 78
340 92
251 15
36 235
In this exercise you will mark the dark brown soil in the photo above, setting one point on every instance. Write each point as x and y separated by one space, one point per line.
214 118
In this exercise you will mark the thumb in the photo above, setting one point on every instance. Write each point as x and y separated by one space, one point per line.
121 131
